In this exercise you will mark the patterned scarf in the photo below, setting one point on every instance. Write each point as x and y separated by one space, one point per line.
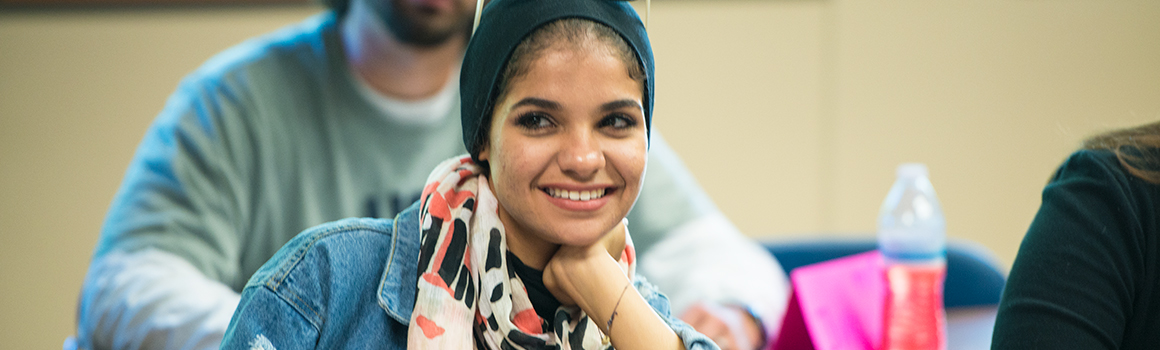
468 294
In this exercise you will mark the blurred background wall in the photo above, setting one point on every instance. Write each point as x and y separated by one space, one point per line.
791 114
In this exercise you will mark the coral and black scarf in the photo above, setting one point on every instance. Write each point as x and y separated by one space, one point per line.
468 295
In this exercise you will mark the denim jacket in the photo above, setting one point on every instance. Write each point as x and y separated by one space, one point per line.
350 284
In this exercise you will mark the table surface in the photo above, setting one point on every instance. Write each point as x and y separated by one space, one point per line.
969 328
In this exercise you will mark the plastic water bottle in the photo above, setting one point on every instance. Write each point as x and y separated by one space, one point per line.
912 239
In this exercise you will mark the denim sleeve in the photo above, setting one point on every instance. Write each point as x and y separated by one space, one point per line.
266 321
692 339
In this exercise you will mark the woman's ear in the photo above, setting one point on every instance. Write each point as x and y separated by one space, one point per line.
484 152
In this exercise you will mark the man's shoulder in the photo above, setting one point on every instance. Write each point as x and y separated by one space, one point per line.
301 47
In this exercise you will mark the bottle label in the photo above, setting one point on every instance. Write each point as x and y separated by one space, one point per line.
914 318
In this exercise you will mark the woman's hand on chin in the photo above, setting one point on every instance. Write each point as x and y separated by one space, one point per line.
572 271
590 277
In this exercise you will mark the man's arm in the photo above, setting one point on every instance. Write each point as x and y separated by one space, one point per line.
693 253
152 300
172 233
709 266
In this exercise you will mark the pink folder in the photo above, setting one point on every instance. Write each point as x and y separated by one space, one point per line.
836 305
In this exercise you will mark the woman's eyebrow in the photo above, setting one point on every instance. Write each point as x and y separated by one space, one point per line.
538 102
618 104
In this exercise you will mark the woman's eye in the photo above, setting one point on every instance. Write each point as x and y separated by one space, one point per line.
533 121
618 121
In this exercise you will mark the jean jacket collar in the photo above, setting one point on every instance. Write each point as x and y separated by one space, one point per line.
396 292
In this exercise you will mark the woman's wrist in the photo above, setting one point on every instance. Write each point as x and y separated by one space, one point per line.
629 322
598 284
578 276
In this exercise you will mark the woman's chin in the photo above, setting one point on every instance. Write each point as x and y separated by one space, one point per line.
579 233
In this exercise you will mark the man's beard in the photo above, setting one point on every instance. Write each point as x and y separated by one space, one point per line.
419 27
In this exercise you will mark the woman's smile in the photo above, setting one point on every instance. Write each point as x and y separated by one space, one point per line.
578 198
575 195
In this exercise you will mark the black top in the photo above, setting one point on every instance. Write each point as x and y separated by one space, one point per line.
542 300
1086 276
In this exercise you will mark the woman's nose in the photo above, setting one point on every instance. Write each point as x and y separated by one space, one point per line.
581 157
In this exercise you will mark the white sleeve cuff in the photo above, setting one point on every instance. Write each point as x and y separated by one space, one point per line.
708 259
151 299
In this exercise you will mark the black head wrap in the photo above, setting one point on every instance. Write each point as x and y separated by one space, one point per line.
505 23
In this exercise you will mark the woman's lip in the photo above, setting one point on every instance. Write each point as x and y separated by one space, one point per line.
574 187
571 205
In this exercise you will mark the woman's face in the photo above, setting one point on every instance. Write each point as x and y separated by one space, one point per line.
567 148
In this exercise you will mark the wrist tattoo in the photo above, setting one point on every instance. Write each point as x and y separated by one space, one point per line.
608 325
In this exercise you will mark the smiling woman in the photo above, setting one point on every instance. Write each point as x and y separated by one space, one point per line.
520 245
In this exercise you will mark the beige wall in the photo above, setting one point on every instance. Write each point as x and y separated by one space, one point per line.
77 91
792 114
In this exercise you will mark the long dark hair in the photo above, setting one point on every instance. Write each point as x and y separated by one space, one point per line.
1137 149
